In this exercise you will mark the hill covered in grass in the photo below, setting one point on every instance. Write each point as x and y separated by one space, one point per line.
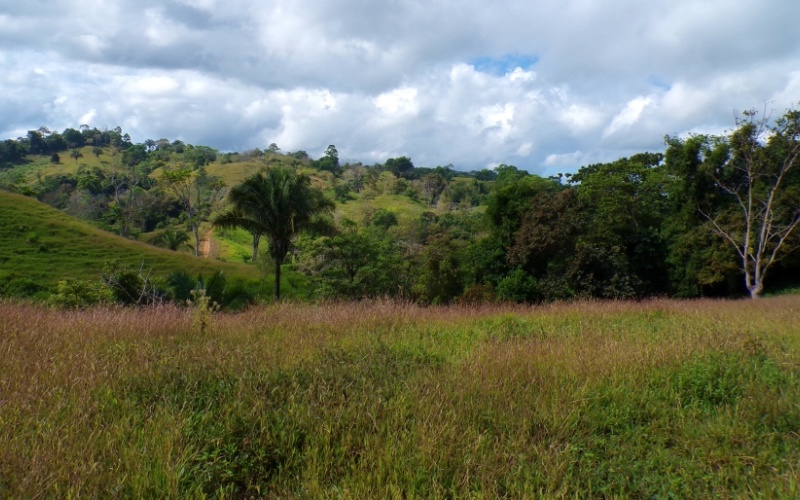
40 245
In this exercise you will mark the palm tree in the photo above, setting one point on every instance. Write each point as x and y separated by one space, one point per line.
173 240
278 204
76 154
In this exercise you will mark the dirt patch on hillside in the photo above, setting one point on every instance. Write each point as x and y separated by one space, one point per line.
205 245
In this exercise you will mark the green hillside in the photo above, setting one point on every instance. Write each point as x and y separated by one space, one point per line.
43 245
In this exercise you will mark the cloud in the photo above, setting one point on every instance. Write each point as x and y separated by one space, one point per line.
542 85
629 115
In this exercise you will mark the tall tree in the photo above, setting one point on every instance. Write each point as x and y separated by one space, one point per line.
278 203
761 182
400 167
433 185
626 202
699 263
329 161
197 193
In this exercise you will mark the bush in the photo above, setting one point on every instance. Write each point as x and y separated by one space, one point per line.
20 287
517 286
77 294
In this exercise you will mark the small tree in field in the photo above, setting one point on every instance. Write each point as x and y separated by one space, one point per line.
760 186
75 154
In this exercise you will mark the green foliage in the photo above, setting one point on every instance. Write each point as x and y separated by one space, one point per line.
199 156
442 279
75 154
646 225
173 240
383 219
401 167
329 161
517 286
511 199
203 309
14 285
216 290
132 287
196 192
76 294
354 264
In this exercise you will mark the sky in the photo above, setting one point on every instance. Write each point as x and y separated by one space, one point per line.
545 85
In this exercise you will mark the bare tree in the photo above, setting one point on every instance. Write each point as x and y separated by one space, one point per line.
759 179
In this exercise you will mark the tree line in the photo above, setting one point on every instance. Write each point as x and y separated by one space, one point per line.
710 216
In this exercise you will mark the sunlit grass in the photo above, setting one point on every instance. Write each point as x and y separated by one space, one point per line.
407 210
380 399
40 243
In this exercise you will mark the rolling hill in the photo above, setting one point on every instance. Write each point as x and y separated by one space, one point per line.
43 245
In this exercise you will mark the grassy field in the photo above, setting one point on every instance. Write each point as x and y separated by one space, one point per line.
383 400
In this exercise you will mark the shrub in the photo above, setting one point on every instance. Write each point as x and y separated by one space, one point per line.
76 294
517 286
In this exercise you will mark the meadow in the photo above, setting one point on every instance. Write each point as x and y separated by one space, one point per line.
389 400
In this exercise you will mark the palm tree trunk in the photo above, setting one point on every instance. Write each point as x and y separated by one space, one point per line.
256 240
278 263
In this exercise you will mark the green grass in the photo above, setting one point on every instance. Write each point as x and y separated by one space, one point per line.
656 399
41 245
40 166
406 209
234 173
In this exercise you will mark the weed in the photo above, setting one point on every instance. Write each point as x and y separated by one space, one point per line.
203 309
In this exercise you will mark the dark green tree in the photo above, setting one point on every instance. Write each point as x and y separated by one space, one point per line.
545 243
401 167
329 161
74 137
36 142
621 250
199 156
699 264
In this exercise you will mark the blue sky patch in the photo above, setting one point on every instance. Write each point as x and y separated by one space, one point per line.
503 65
658 82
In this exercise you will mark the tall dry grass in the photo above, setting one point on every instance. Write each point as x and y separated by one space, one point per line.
377 399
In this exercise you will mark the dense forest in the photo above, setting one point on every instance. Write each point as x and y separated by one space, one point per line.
712 216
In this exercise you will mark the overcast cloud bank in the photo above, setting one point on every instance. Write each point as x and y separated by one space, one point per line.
548 85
